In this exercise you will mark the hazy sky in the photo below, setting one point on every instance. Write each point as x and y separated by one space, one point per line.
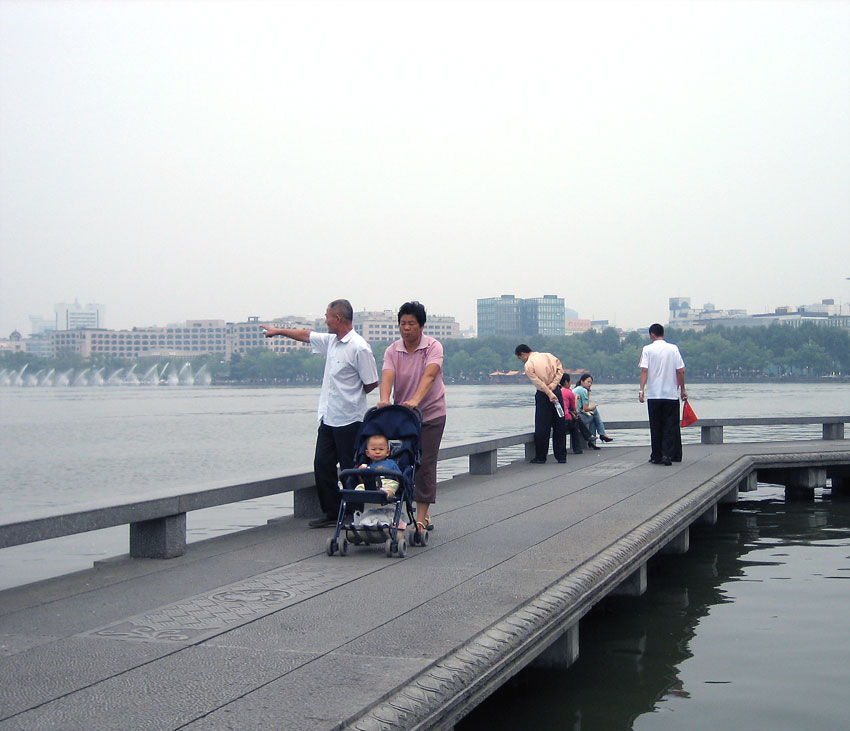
176 160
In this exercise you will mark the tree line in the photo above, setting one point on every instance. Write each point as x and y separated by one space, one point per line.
718 353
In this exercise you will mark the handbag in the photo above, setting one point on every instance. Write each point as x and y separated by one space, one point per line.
688 415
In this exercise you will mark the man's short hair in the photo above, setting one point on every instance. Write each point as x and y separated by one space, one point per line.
657 330
417 309
522 348
342 308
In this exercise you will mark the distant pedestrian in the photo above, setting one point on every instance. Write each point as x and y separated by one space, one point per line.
544 370
662 376
350 373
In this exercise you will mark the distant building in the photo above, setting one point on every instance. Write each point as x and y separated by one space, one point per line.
377 327
186 340
40 325
576 326
40 345
826 313
74 316
511 316
13 344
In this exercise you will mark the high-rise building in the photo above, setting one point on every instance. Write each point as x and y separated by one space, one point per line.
74 316
511 316
499 316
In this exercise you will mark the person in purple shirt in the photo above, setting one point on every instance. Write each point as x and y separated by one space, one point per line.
413 375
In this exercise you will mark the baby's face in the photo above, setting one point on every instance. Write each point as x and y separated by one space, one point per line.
377 448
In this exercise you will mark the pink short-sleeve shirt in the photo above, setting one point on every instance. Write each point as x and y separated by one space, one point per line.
409 369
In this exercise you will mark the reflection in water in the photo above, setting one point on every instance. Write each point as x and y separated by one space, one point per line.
698 650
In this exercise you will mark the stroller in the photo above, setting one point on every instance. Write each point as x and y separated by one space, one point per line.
402 427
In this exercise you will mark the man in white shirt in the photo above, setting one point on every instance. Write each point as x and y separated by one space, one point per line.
662 374
350 373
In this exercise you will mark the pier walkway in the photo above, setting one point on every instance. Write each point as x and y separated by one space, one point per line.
261 629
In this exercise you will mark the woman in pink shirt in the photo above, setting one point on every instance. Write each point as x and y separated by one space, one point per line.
413 374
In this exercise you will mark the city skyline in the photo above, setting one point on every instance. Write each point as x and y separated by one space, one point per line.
300 317
234 159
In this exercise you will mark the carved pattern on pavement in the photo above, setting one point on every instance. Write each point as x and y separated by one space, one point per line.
202 616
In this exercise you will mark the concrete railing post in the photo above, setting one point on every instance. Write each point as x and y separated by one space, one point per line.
483 463
711 435
305 503
833 431
529 450
159 538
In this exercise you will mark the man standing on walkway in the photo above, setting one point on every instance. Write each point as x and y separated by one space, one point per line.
350 373
662 374
544 370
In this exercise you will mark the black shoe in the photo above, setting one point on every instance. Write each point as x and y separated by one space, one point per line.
593 445
538 461
578 451
606 438
666 461
562 461
654 461
323 522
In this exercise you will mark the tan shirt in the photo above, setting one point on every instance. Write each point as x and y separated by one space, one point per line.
544 370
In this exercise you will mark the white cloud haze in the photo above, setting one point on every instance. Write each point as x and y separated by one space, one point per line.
225 159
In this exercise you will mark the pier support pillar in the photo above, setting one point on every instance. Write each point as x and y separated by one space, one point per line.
731 496
840 485
833 431
709 517
749 483
305 503
711 435
633 585
799 482
680 544
483 464
159 538
562 653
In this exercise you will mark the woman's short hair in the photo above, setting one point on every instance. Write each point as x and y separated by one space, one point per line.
565 379
417 309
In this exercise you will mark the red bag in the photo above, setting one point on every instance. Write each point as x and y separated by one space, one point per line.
688 415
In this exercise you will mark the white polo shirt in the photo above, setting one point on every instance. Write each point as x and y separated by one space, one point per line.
662 360
349 365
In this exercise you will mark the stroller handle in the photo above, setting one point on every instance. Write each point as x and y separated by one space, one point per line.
414 410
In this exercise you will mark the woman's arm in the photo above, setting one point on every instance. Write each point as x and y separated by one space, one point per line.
428 377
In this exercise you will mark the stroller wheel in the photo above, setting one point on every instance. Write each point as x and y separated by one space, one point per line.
330 546
423 537
343 547
388 547
402 548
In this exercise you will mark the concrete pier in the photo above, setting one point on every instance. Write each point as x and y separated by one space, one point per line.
261 629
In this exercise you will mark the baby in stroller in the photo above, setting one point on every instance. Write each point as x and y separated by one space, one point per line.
387 451
378 454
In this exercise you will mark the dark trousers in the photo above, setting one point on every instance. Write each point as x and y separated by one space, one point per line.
546 421
334 445
665 436
579 433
